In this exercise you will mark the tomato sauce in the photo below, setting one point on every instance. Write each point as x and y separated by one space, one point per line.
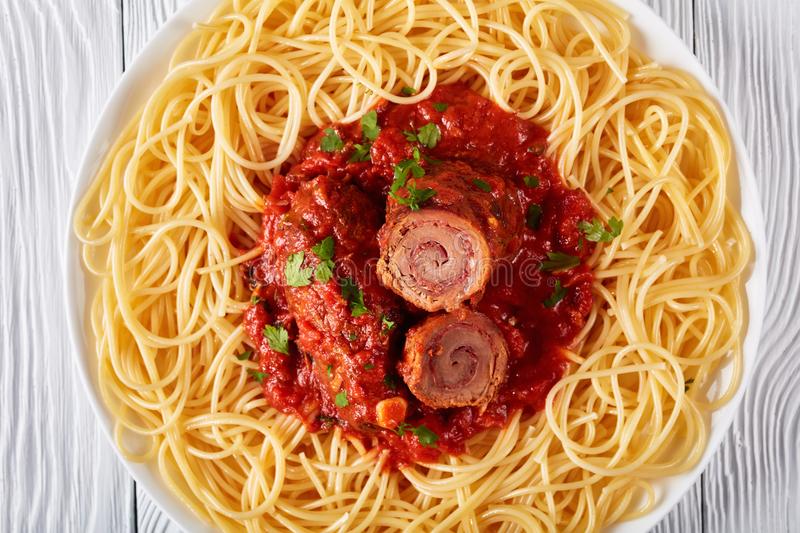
330 193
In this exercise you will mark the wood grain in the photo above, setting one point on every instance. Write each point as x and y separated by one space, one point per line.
57 471
751 50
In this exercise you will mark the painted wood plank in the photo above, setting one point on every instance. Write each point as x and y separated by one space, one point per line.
59 59
751 50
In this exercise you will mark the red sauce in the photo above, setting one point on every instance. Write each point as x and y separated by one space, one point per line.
347 201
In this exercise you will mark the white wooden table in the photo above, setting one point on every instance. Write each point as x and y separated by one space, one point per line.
59 60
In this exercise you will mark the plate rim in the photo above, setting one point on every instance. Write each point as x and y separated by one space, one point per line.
642 19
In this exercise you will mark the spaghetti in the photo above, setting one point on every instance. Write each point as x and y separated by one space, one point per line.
181 194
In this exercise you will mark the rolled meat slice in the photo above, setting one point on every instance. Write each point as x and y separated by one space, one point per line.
454 360
442 254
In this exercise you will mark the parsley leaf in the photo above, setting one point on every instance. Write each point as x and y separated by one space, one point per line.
559 292
360 153
390 382
245 355
387 324
482 185
441 107
429 135
596 232
609 190
296 275
533 216
369 366
278 338
531 181
408 91
324 271
402 427
354 297
324 251
341 399
331 142
369 125
352 336
329 370
415 197
254 299
560 261
258 376
425 436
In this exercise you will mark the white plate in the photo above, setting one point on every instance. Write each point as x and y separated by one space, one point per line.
651 35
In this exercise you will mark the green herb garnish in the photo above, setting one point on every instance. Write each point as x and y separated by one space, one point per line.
258 376
341 399
533 216
360 153
425 436
386 323
595 231
560 261
416 197
329 370
324 251
369 125
254 299
355 298
369 366
245 355
441 107
331 142
559 292
296 275
531 181
482 185
278 338
428 135
390 382
408 91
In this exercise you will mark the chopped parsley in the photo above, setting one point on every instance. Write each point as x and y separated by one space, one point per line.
351 336
390 382
428 135
360 153
560 261
296 275
355 298
425 436
326 419
408 91
329 370
482 185
331 142
559 292
369 125
254 299
369 366
531 181
245 355
609 190
278 338
595 231
416 197
441 107
324 251
533 216
341 399
258 376
387 324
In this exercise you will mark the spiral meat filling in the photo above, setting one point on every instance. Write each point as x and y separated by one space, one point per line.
454 360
